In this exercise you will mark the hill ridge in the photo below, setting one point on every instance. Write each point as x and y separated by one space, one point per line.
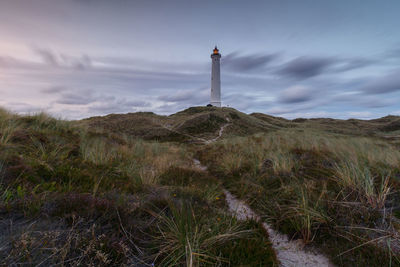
204 123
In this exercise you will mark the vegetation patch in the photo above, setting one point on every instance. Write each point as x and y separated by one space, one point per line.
77 195
334 192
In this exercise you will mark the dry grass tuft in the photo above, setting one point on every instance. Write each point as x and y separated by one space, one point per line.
313 184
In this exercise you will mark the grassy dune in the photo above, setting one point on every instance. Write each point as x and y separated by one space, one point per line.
337 193
192 124
123 189
76 196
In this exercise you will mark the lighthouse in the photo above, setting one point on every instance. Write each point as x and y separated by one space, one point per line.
215 78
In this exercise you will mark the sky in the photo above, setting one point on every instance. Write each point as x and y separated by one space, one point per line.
289 58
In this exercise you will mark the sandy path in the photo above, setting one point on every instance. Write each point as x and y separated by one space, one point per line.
289 253
194 138
220 132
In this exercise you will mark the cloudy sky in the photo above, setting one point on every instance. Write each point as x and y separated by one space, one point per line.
308 58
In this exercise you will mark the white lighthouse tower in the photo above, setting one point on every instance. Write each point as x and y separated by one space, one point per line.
215 79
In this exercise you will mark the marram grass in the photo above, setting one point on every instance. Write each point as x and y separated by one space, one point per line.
78 196
312 185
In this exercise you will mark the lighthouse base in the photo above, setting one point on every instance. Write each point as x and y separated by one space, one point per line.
216 104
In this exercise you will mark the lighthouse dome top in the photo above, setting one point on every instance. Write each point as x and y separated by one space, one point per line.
216 51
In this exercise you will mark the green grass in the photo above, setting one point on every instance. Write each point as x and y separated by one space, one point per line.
192 238
335 192
73 195
123 189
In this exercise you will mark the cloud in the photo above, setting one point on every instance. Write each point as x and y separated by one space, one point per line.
97 103
353 63
73 99
8 62
296 94
241 100
12 62
360 114
306 67
134 103
83 97
237 63
119 84
120 80
46 55
117 106
177 97
24 108
284 110
195 97
79 63
382 85
62 60
362 100
393 53
54 90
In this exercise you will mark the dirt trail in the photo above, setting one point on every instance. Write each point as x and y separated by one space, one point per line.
194 138
220 132
289 253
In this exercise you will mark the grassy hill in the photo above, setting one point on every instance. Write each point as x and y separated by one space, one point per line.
188 125
123 189
353 126
204 122
77 197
